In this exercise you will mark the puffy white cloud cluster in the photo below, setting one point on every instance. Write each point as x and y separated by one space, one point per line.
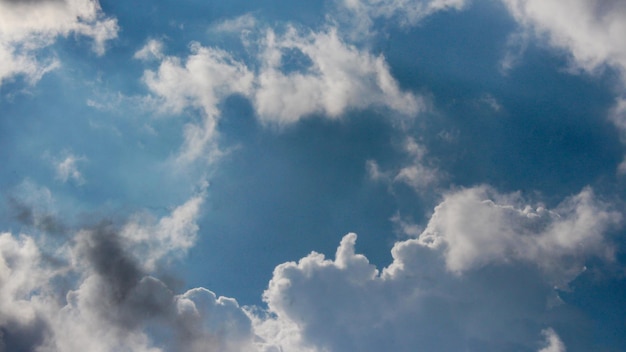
28 26
340 78
479 277
477 226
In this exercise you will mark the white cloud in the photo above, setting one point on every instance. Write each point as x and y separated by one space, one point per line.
95 293
28 26
340 77
67 169
478 226
591 31
169 237
206 77
553 342
434 298
237 24
417 174
362 13
153 50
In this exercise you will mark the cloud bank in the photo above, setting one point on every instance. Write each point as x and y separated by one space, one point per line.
428 296
448 289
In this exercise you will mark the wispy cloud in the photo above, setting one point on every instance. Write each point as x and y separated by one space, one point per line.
340 78
67 169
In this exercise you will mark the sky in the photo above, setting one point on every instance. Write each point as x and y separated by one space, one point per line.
312 176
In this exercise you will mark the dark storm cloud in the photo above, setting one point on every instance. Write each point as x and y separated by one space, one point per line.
129 296
131 299
102 248
16 337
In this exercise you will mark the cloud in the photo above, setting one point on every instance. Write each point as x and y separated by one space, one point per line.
237 24
26 27
201 81
417 175
488 296
361 14
67 169
34 206
477 226
553 342
22 325
153 50
480 276
591 32
340 77
98 293
169 237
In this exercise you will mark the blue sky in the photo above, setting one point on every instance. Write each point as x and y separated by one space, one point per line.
338 175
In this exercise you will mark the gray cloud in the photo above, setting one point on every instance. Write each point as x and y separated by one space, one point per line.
94 292
103 250
16 337
40 219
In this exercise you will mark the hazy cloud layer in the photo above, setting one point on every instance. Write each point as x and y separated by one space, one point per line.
361 15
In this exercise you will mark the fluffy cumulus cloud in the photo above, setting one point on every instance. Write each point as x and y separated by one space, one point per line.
28 26
449 289
338 77
298 75
97 292
478 226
